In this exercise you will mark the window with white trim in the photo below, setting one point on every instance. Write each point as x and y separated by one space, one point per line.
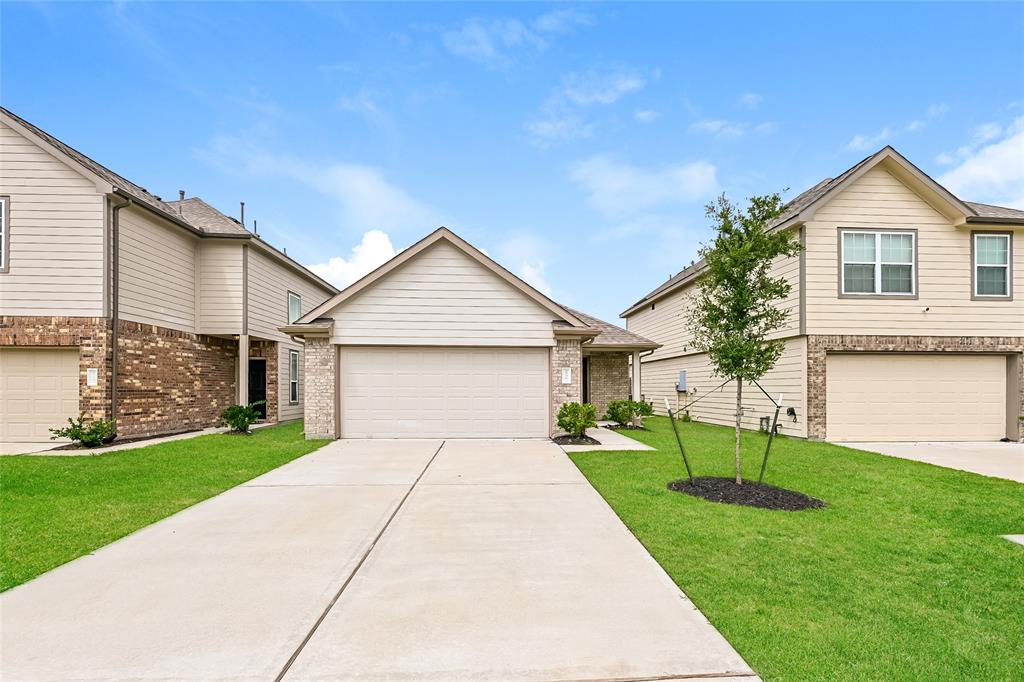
293 377
880 263
992 265
3 233
294 307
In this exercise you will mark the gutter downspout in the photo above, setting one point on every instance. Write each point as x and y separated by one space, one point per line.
115 238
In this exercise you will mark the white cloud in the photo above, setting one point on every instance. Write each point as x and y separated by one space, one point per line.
646 115
719 128
992 172
558 128
986 132
616 188
533 274
594 87
751 100
361 102
871 142
367 200
562 21
493 42
525 254
373 250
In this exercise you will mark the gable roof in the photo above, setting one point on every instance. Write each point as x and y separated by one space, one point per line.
194 214
441 233
613 337
802 208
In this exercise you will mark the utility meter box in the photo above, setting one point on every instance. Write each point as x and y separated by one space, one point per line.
681 383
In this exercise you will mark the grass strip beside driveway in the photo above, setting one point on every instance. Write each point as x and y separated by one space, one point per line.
56 508
902 576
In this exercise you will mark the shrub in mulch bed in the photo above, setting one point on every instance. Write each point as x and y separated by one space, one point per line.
625 427
582 440
747 494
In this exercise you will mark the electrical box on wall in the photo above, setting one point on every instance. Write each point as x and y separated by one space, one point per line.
681 383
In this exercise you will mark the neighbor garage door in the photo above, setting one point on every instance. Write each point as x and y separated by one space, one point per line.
906 397
38 391
443 393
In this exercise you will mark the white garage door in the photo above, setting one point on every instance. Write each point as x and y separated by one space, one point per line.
906 397
443 393
38 391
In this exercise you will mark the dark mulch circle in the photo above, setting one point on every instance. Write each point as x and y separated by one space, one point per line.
569 440
749 494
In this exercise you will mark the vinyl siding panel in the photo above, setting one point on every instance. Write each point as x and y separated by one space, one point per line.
442 297
157 272
56 234
269 284
220 287
789 377
880 200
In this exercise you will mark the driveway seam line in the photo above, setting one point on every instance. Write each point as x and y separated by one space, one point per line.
330 605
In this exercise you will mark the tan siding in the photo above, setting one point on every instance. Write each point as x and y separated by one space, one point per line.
658 381
220 287
879 200
269 284
56 240
157 272
442 297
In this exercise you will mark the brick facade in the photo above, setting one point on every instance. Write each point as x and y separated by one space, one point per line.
819 346
609 379
566 353
321 365
168 380
268 350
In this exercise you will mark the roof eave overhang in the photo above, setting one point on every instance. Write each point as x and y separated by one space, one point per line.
992 220
306 330
576 333
610 347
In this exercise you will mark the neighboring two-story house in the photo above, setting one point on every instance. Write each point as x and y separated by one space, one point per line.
906 317
117 304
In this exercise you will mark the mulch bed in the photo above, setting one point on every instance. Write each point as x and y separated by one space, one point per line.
625 427
569 440
120 440
749 494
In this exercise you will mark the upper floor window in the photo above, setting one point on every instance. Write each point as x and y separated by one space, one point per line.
880 263
992 265
293 377
3 234
294 307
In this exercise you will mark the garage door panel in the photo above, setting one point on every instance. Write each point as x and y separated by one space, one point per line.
911 397
441 392
38 391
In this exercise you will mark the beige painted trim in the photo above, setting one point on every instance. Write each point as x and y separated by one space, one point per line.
802 302
337 392
5 263
442 233
298 370
839 259
1009 266
245 289
1014 410
288 305
304 330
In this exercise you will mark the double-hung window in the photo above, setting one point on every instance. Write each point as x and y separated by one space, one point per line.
877 263
294 307
991 265
293 377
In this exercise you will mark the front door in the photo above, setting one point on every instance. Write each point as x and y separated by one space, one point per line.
586 379
258 384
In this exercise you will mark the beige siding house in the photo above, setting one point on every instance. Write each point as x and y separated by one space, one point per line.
117 304
442 342
906 317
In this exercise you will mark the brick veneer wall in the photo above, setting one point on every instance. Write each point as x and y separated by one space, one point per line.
267 350
321 365
819 346
170 380
609 379
566 353
92 337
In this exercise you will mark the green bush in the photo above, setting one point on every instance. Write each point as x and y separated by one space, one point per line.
576 418
89 435
623 412
240 417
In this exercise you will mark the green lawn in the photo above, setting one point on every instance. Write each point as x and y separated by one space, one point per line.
903 576
54 509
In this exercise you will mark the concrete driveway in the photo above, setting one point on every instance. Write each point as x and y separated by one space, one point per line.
373 560
999 460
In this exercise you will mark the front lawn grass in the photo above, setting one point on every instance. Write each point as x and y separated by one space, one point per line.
56 508
902 577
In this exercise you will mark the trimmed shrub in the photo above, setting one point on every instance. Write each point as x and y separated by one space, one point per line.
576 418
89 435
240 417
623 412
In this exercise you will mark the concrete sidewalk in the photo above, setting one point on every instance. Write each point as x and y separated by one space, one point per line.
999 460
373 560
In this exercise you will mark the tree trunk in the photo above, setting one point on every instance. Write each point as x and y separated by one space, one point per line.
739 416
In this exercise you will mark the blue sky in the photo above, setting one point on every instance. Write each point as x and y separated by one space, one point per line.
577 144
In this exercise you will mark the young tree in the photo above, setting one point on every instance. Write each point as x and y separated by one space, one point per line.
736 304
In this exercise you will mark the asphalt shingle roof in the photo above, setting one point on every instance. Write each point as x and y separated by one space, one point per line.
201 215
611 335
